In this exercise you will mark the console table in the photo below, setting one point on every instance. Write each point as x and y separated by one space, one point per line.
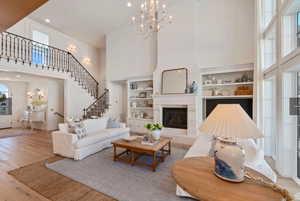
195 176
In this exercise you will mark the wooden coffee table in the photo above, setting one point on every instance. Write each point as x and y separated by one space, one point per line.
135 149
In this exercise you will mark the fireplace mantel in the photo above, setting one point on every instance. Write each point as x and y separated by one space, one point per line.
193 104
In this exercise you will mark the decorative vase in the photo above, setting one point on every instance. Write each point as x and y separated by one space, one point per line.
229 160
156 134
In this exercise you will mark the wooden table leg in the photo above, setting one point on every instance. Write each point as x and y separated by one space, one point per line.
154 162
115 153
169 148
132 158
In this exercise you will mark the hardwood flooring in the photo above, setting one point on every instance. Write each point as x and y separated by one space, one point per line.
17 152
24 152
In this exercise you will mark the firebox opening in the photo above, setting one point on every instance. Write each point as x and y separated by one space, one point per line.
175 118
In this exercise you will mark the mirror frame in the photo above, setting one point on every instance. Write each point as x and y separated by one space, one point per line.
162 80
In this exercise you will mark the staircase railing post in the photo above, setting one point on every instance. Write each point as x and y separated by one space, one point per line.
69 63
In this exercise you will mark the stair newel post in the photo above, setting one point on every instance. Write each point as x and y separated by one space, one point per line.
68 62
84 113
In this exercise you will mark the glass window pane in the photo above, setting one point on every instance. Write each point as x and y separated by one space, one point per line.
40 48
289 33
269 49
268 11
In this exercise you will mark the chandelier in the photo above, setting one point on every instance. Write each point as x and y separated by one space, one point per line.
152 16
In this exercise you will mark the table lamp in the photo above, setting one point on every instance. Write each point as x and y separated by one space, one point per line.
229 123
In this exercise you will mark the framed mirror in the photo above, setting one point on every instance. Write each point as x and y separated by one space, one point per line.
174 81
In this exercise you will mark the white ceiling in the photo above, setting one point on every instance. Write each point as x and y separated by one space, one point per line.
86 20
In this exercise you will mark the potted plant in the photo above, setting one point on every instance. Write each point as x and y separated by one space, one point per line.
155 129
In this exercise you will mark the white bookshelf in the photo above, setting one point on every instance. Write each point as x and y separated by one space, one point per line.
236 86
140 104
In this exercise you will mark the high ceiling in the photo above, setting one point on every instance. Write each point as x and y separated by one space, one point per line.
86 20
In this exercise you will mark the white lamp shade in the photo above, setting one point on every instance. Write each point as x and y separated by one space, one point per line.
230 120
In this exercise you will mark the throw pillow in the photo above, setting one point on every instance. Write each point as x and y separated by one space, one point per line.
81 132
113 123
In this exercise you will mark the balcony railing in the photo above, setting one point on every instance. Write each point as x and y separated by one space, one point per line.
23 50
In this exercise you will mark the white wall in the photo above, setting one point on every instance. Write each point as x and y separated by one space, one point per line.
208 33
128 55
205 33
61 41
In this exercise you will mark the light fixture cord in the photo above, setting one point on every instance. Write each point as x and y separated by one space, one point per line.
260 180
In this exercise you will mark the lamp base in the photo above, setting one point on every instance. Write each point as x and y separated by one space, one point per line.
229 160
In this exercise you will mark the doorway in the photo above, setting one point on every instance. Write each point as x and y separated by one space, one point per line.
5 107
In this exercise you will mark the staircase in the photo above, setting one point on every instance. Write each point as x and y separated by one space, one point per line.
23 50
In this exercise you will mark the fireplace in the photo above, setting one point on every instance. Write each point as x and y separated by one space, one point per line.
175 117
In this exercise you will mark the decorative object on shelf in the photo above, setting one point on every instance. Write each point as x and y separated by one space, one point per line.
243 90
229 122
133 104
214 80
194 88
142 95
153 15
155 130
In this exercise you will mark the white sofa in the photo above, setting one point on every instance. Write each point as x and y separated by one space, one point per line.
253 155
98 137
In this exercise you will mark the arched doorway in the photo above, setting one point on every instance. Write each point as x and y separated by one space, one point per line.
5 107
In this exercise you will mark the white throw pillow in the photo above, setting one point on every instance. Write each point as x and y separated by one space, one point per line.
94 125
80 132
253 154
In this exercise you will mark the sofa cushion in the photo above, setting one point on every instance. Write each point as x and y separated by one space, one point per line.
99 136
92 139
113 123
94 125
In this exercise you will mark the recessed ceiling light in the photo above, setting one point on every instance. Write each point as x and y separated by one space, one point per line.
47 20
129 4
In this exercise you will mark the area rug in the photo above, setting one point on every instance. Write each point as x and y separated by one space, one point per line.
13 132
122 181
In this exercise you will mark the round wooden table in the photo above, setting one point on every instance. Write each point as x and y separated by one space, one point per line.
195 176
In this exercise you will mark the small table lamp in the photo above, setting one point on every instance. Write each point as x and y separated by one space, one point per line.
229 122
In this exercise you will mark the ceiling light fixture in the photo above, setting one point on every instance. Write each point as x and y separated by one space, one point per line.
47 20
153 16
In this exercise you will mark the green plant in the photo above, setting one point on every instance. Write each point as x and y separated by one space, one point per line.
154 127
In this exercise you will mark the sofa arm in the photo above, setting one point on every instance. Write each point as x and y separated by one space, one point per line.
63 143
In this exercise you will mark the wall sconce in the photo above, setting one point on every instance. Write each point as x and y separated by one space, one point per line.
86 61
71 48
30 95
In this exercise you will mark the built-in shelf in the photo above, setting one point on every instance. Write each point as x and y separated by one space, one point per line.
228 84
220 97
140 119
141 98
142 108
142 89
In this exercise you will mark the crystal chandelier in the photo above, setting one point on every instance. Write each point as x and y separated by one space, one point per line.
152 16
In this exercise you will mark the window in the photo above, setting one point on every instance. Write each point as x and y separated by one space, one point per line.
289 33
269 48
269 116
268 11
39 48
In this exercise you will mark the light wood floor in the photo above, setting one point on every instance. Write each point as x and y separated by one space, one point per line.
17 152
21 151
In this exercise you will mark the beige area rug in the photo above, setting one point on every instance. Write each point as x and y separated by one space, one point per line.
13 132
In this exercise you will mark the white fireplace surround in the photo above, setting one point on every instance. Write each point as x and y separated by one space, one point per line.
189 101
